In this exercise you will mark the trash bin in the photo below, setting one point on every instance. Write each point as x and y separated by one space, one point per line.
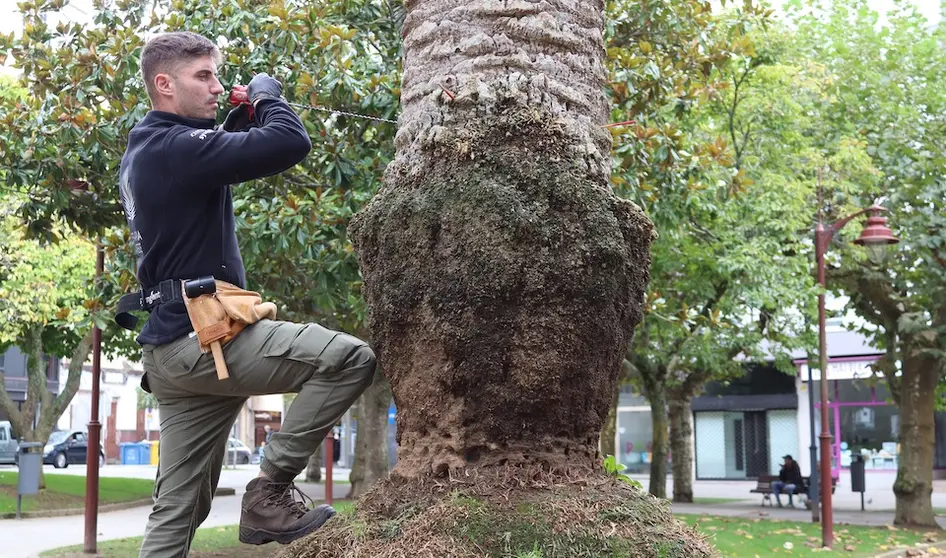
858 481
31 464
153 457
131 455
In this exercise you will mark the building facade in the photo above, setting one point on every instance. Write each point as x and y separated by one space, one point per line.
743 428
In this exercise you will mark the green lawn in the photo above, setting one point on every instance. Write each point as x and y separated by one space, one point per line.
734 537
741 537
208 542
68 492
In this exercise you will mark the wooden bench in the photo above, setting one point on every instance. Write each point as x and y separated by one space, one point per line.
764 487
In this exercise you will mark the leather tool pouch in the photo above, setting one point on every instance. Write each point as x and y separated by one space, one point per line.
220 311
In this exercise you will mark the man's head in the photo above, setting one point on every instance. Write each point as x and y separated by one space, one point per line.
788 460
267 428
180 74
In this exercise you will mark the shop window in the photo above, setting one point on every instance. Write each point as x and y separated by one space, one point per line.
635 437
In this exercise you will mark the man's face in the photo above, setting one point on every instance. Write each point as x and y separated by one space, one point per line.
788 462
194 88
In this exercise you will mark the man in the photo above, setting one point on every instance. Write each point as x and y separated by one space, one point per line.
789 478
175 181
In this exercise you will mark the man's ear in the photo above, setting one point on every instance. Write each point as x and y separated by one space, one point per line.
164 84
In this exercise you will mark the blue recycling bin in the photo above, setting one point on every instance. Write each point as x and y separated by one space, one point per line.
131 454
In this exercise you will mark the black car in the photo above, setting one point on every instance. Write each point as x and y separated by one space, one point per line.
66 447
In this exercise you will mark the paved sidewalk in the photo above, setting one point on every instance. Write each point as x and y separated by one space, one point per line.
752 510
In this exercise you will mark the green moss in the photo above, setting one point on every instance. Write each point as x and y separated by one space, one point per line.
525 532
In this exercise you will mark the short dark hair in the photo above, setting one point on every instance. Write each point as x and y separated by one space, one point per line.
165 51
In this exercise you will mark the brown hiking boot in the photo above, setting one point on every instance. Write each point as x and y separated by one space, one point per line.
271 513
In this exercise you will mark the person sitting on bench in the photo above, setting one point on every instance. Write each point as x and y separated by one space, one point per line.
789 478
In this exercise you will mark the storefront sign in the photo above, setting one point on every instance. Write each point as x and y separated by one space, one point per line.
844 370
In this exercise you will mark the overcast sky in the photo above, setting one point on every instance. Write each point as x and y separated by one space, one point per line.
9 20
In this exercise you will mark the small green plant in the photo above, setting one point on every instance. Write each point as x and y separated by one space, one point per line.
616 469
536 552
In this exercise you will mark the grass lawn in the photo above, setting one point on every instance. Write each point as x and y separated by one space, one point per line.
68 491
208 542
741 537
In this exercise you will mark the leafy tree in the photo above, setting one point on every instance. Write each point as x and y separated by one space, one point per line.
885 92
83 82
720 268
44 310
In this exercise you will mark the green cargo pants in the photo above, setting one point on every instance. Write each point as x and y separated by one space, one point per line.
328 370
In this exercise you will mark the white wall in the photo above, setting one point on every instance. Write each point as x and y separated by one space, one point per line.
710 452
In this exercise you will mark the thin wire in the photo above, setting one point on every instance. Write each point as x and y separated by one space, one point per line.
344 113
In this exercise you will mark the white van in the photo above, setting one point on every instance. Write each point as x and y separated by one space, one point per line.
8 444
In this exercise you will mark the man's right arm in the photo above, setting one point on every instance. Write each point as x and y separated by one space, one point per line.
217 158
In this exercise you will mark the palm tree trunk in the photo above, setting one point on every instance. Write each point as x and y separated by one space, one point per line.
504 280
503 275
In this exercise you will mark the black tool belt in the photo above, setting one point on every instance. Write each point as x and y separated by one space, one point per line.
166 291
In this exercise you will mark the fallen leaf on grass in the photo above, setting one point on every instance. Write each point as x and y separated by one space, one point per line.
850 548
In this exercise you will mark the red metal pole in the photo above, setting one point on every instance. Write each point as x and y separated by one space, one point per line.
329 457
827 515
95 429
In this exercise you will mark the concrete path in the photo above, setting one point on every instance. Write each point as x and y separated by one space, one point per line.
752 510
877 497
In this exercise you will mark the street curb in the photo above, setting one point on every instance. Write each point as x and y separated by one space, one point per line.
902 552
118 506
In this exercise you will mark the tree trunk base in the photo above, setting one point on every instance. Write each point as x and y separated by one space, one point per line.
504 511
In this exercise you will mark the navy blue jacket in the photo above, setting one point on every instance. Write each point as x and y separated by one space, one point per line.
175 182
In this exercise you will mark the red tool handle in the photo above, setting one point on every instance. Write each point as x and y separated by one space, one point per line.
239 97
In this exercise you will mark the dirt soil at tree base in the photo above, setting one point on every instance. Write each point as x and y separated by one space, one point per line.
503 512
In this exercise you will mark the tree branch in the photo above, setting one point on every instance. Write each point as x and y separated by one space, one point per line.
9 407
69 389
36 379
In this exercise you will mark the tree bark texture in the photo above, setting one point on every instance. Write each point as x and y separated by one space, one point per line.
503 276
681 431
659 445
914 484
371 445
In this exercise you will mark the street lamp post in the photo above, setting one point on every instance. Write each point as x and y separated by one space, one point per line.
95 429
875 237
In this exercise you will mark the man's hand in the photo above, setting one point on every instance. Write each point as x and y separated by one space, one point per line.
262 86
238 119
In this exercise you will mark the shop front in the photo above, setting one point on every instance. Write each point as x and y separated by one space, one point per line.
862 418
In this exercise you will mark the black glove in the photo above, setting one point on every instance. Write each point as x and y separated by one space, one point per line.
263 87
238 119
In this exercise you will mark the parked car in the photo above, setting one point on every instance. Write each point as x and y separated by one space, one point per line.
237 452
67 447
8 444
